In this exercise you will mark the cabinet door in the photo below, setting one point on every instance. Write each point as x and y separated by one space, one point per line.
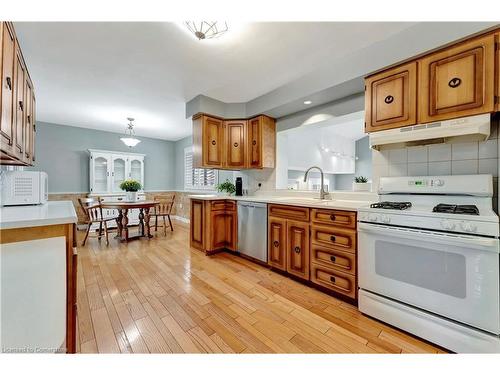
458 81
390 98
255 143
28 126
276 241
212 143
32 118
231 230
20 105
197 224
497 70
136 169
100 165
7 131
235 142
297 249
218 228
118 171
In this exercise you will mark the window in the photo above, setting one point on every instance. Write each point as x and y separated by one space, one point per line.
198 178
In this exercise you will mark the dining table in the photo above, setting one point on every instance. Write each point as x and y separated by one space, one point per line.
122 220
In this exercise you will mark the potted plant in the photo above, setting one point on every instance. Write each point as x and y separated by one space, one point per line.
226 188
361 184
131 187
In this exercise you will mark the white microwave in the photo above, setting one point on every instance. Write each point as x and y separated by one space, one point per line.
23 188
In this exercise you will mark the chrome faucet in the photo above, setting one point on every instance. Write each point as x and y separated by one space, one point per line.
322 193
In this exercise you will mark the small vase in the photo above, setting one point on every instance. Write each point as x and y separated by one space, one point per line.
131 196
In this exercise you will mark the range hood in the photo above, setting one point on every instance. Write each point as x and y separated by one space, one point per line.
473 128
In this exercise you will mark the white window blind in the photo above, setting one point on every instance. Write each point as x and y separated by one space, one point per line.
197 178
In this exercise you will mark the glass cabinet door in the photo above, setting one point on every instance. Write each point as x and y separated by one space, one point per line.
100 172
136 170
118 173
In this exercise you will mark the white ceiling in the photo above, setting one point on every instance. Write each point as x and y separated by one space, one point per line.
95 75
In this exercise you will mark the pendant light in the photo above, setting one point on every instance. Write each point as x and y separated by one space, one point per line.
129 140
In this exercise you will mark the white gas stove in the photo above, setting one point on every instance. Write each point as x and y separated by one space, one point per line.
428 258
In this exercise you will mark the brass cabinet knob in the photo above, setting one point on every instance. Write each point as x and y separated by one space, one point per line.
297 249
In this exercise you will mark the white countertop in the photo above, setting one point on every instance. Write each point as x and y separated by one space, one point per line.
50 213
337 204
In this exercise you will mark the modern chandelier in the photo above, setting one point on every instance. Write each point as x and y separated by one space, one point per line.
129 140
207 29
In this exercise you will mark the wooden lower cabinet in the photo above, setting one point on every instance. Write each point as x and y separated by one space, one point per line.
214 225
276 242
297 249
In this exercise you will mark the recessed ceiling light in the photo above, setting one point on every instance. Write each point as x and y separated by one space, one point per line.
307 102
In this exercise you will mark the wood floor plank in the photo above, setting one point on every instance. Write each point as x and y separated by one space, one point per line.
166 334
89 347
182 338
151 336
105 337
130 329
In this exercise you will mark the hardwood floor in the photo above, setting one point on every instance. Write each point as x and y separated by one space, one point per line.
160 296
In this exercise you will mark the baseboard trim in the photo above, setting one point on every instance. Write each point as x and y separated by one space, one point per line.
180 218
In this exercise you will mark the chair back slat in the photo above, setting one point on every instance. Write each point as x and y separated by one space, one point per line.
92 208
165 205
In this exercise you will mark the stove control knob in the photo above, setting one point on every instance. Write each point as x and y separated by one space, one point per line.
373 218
447 225
385 219
468 227
438 182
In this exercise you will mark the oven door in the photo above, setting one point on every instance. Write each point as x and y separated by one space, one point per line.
455 276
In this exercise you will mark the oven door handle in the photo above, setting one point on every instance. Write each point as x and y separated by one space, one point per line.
479 243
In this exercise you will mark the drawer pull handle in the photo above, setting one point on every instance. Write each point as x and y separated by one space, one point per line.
454 82
254 142
333 238
332 279
333 258
21 105
389 99
9 83
235 144
297 249
332 217
276 243
213 142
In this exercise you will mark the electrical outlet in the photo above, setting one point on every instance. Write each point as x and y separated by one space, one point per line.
180 205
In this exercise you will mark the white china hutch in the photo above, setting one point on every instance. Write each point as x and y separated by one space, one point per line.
107 171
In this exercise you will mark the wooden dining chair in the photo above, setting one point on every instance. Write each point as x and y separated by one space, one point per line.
93 210
163 209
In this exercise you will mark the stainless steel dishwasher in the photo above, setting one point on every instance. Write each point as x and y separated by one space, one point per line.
252 230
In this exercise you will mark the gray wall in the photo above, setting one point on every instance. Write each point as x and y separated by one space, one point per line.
61 151
363 165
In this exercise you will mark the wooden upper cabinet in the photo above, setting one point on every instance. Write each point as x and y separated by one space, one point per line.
7 130
297 249
457 81
391 98
235 143
261 142
17 102
277 243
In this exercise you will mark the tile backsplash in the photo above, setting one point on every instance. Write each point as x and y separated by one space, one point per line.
440 159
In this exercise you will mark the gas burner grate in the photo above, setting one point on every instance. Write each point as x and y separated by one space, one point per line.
467 209
391 205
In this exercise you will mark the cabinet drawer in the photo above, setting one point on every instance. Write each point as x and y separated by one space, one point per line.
345 219
333 258
337 238
223 205
289 212
334 280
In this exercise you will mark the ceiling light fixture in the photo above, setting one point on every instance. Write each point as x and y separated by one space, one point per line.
207 29
129 140
307 102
